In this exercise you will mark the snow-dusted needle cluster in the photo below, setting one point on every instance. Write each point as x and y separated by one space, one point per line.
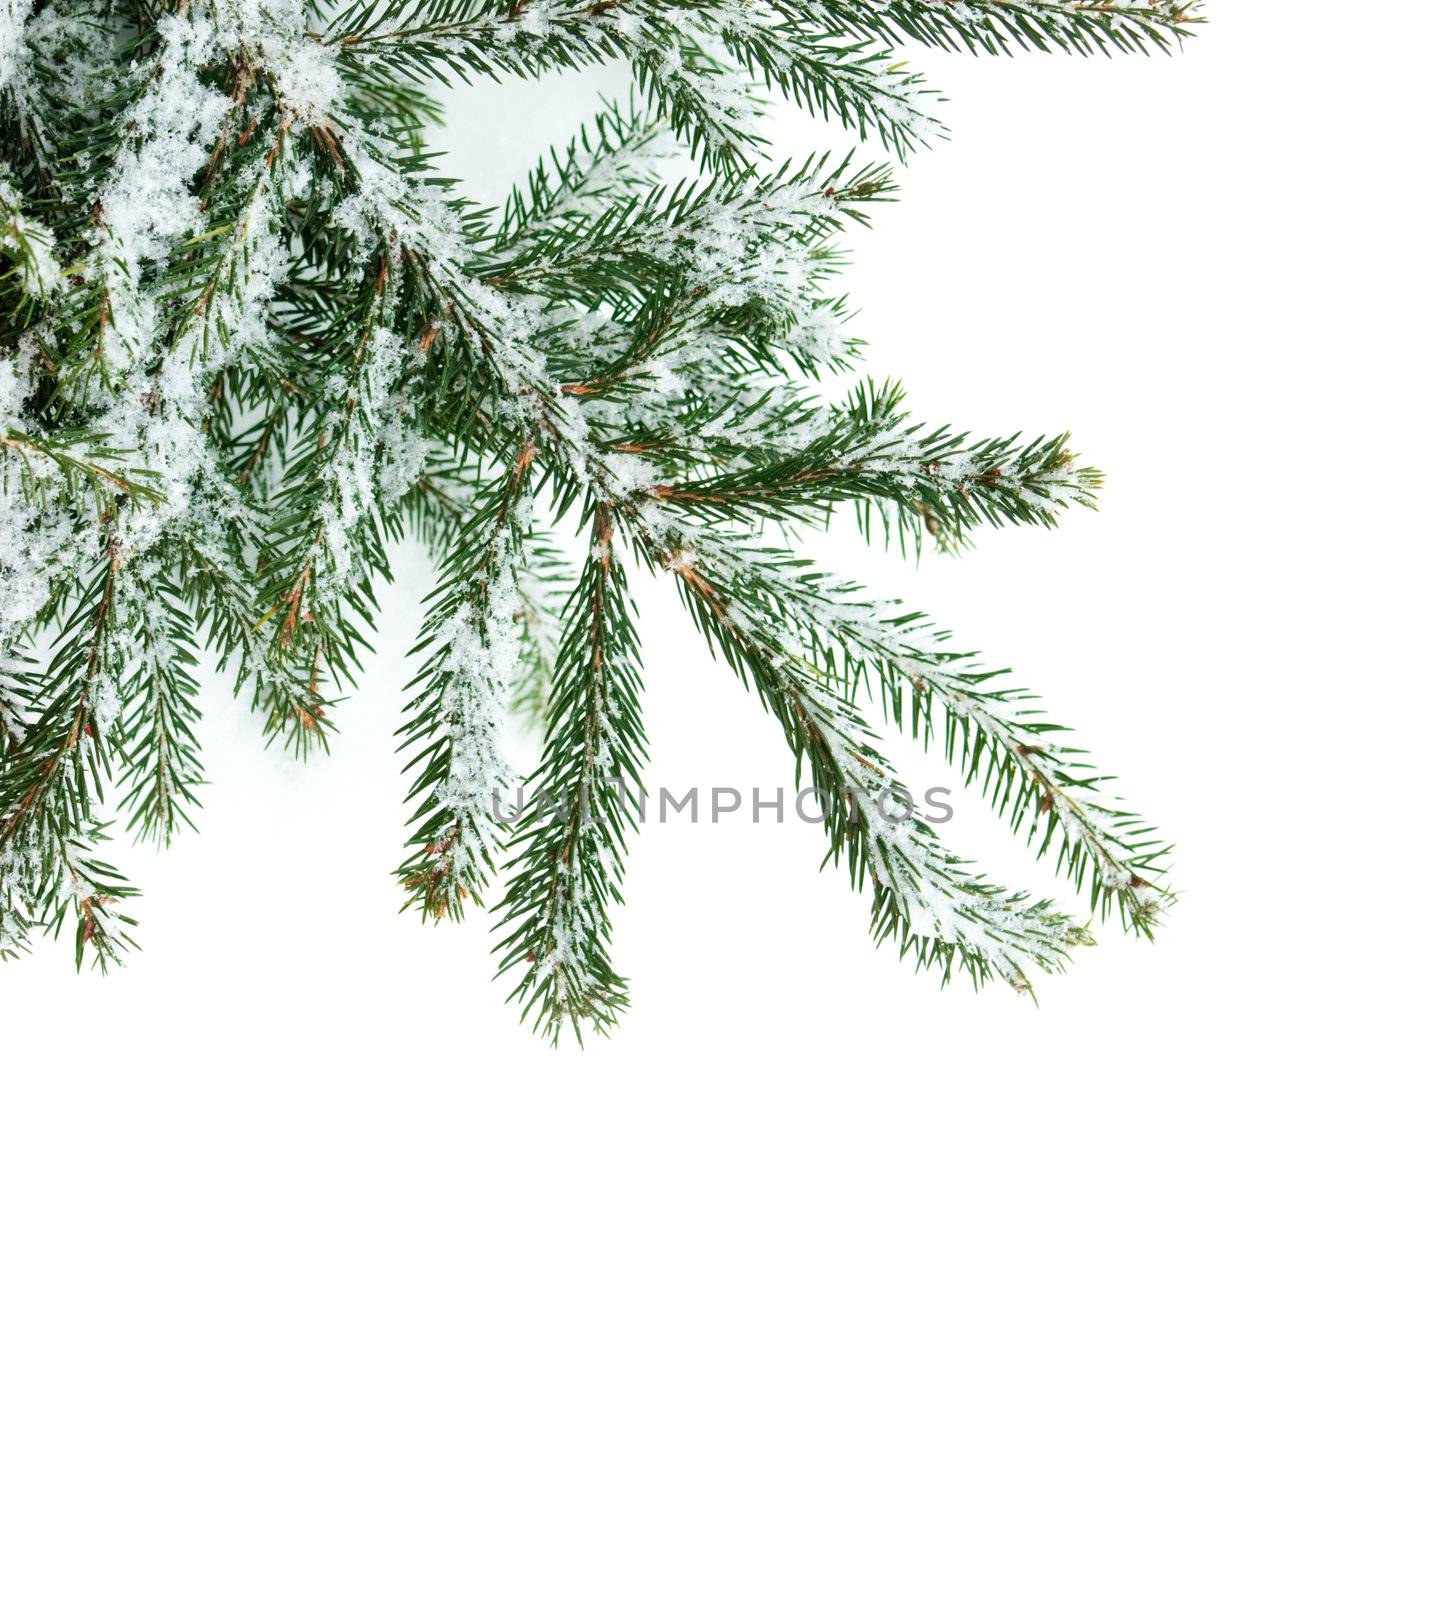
249 339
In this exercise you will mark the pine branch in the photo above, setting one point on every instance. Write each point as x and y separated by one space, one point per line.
1000 738
619 152
569 842
63 757
711 232
460 699
156 740
37 894
249 337
992 27
330 534
708 101
68 465
935 482
707 104
827 56
285 692
49 784
836 75
20 677
33 273
541 585
923 897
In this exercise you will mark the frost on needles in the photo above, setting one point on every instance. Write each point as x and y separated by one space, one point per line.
249 339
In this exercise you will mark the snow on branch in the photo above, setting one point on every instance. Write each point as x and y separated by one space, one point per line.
250 338
923 896
569 843
997 733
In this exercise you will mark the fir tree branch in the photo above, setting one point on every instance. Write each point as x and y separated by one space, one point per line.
836 76
63 758
991 27
459 700
795 49
828 56
157 747
20 676
616 155
468 38
330 533
286 694
49 784
924 898
1001 740
33 273
48 460
712 233
38 892
279 341
542 584
869 452
568 843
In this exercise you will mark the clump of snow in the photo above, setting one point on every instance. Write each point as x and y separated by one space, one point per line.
386 206
276 36
28 242
372 458
148 205
480 653
12 30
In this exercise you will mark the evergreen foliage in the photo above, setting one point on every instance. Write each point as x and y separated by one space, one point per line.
249 339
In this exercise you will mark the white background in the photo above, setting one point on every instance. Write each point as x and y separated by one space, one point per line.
321 1278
